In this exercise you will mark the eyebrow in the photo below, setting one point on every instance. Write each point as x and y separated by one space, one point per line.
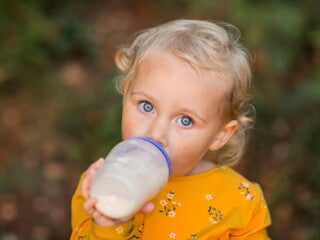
142 94
190 112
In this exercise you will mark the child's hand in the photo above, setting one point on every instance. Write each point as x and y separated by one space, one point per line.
87 180
89 203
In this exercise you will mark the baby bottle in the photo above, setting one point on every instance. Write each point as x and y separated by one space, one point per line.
134 171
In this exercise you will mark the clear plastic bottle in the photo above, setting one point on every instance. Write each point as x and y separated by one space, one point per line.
134 171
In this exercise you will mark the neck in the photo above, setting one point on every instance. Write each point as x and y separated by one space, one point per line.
202 166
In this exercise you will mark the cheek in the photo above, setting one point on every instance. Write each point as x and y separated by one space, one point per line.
183 159
131 124
127 125
186 155
127 131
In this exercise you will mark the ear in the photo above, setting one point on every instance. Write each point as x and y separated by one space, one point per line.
224 135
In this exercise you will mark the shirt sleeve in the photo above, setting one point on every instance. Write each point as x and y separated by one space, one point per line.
256 228
84 228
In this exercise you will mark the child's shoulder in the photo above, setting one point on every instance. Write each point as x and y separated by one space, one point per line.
220 179
228 178
223 185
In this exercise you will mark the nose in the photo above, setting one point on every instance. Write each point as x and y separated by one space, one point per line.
158 131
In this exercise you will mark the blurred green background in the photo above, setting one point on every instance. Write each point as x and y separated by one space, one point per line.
59 110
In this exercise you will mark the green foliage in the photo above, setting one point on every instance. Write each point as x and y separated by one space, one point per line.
33 42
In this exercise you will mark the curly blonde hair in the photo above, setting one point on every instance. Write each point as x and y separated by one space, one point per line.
211 46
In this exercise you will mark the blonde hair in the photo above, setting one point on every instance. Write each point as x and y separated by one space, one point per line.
210 46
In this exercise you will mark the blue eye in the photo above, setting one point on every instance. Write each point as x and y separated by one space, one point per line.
185 121
146 107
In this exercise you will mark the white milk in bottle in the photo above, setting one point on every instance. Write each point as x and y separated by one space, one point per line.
134 171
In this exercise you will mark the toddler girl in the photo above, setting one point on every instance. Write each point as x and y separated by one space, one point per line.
187 85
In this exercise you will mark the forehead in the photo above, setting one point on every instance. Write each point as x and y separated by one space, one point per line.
164 64
170 77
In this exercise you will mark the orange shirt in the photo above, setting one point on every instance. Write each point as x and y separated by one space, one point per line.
217 204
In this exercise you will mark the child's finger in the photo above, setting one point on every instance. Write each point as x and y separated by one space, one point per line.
89 206
147 207
91 171
86 186
95 167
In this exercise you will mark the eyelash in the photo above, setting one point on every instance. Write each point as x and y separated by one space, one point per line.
142 104
190 124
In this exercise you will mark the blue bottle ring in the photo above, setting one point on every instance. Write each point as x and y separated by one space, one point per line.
164 153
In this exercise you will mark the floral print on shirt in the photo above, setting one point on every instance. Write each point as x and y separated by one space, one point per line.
172 235
245 190
138 236
169 206
119 229
215 215
194 236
